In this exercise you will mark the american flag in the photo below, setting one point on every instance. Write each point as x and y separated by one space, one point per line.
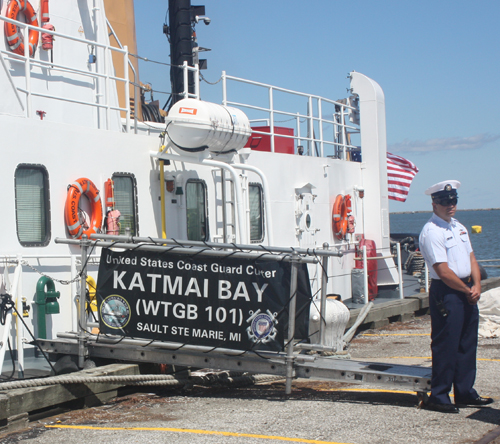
400 173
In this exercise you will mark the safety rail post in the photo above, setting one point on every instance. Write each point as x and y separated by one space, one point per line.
271 118
324 282
19 323
197 81
185 75
8 317
82 322
310 127
291 323
320 114
400 271
27 68
136 89
127 89
365 274
224 88
224 206
343 138
74 293
107 86
299 140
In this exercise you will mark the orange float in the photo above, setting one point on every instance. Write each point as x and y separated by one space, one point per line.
339 217
14 37
76 226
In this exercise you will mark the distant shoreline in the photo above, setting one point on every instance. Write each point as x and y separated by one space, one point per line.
429 211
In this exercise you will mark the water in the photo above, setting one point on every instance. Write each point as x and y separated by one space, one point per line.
486 245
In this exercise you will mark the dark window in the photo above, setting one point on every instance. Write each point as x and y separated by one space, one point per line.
125 192
196 206
256 213
32 205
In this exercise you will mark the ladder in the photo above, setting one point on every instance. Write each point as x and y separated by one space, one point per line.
228 208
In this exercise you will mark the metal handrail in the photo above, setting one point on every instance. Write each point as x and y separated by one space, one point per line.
365 260
106 75
33 62
340 128
291 91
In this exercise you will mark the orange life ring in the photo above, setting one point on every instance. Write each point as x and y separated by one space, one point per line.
14 37
75 225
339 217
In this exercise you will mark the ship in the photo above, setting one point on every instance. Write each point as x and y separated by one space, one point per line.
89 166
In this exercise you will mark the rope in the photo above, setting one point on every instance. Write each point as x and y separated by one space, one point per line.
143 380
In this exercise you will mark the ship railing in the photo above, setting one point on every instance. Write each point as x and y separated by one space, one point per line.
16 291
107 75
364 258
334 143
489 260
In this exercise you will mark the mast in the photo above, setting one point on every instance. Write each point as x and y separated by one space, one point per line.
183 47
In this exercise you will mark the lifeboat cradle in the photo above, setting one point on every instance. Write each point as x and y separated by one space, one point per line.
296 360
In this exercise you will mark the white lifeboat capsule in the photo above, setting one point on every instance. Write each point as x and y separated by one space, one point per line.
194 125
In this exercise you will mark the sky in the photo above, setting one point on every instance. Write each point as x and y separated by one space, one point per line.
436 60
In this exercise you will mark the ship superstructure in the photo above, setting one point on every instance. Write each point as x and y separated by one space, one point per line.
228 173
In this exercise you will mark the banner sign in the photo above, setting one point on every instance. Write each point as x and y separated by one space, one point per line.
211 301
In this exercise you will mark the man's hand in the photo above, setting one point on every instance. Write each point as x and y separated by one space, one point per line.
474 295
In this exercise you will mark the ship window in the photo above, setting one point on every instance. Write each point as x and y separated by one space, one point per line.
125 192
196 204
32 205
256 213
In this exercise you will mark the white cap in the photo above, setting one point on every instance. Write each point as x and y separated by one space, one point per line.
442 186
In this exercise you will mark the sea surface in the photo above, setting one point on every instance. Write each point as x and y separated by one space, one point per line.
486 245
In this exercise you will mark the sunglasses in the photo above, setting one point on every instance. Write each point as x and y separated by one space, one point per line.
448 202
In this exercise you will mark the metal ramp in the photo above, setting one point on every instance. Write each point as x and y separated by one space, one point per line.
413 378
279 355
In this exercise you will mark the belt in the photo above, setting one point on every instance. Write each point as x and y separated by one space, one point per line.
466 280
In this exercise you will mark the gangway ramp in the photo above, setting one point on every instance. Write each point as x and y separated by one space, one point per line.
332 368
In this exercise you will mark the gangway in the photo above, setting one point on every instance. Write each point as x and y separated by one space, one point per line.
287 359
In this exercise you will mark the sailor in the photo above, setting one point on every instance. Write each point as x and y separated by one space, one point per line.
453 295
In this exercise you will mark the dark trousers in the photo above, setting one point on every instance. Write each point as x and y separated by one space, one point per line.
454 344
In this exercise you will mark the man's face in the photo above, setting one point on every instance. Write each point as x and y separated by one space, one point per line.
445 209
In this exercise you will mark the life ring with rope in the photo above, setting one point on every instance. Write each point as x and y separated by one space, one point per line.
74 222
339 217
13 34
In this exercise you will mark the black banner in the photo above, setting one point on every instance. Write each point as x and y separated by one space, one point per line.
212 301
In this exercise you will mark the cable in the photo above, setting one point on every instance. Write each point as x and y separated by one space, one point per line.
9 304
11 377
